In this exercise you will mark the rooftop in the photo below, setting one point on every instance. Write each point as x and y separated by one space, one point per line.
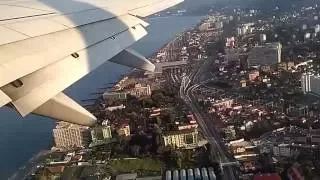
183 131
56 169
65 125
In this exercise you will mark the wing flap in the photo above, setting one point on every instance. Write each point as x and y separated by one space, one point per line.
63 108
7 36
131 58
45 83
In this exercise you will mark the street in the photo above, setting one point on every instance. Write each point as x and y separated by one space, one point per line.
187 92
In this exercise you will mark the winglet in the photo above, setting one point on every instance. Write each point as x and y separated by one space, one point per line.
131 58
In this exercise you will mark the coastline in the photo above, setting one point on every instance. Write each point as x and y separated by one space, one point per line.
127 73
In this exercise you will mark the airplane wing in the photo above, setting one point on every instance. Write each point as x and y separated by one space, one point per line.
47 45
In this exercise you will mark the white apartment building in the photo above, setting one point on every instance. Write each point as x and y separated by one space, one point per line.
68 135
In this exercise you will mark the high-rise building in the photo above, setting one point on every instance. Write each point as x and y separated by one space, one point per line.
101 134
310 83
263 38
305 82
267 54
68 135
106 130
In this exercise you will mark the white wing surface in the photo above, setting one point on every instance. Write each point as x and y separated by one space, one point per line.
45 46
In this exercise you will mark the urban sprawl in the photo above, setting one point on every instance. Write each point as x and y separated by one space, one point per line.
236 97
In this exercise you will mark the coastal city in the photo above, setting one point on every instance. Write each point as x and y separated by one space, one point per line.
235 97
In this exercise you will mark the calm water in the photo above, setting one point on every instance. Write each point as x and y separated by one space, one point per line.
20 139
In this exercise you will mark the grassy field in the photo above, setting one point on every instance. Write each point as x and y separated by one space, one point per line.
144 167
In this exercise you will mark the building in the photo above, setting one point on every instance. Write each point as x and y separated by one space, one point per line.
267 54
140 91
245 29
231 55
174 67
223 104
106 130
124 129
101 133
188 126
113 108
114 96
263 38
243 61
310 83
230 133
286 65
304 27
68 135
230 42
315 139
282 150
317 28
243 83
253 75
205 26
186 139
305 82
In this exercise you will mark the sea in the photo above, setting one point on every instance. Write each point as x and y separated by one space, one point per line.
22 138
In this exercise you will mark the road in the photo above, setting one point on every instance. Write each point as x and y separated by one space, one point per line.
189 84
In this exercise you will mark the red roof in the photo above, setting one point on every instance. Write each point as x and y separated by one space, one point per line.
124 122
56 169
267 177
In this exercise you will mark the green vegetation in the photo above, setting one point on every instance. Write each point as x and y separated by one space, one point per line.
144 167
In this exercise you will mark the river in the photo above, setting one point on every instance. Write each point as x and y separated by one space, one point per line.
22 138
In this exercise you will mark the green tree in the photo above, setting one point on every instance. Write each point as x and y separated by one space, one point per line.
177 156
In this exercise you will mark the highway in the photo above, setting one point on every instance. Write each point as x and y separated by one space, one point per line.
189 84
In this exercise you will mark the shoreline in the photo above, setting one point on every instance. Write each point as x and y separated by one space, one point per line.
29 166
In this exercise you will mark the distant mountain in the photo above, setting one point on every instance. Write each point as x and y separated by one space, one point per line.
201 7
